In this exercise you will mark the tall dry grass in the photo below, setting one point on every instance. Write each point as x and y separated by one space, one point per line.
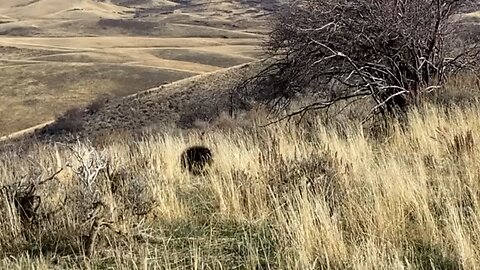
282 197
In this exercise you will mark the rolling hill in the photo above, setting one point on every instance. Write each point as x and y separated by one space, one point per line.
55 54
179 104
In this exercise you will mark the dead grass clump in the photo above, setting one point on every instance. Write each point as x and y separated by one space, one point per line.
81 208
460 90
286 196
318 173
22 199
72 122
96 105
462 143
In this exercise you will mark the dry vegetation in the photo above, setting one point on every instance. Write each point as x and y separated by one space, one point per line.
283 197
182 103
105 185
36 93
56 54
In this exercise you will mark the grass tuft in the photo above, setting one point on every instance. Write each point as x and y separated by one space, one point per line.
282 197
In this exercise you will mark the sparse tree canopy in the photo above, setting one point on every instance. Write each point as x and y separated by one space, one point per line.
386 50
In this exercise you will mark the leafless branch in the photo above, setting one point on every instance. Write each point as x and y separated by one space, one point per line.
334 50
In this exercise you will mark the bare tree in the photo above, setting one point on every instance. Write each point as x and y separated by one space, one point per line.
389 51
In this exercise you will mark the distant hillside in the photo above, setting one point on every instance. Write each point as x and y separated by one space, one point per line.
57 54
130 17
181 103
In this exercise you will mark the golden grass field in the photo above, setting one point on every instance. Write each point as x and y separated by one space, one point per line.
337 194
282 197
57 54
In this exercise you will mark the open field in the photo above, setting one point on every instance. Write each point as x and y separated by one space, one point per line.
34 93
285 197
55 54
133 83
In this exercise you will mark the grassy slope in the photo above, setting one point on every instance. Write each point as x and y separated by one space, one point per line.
182 103
285 197
38 84
111 48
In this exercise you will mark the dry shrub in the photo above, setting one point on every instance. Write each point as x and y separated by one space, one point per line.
104 138
96 105
320 173
240 120
96 201
282 197
70 122
388 52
